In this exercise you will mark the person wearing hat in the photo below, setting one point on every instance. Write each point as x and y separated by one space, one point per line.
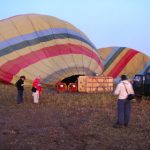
123 105
20 89
36 86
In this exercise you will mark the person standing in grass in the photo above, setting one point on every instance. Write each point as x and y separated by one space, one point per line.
20 89
36 86
123 105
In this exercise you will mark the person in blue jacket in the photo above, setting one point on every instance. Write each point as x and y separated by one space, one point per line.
20 89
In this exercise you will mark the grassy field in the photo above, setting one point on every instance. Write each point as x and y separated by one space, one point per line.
70 122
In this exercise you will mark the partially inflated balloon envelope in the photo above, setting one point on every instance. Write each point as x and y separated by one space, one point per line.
123 60
39 44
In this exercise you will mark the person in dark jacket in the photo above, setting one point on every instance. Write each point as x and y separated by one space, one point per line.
20 89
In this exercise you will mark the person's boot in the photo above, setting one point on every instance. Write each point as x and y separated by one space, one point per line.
126 125
116 125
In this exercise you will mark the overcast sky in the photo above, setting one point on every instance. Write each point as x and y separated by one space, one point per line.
107 23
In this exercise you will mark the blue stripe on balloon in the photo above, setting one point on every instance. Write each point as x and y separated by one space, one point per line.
110 55
41 33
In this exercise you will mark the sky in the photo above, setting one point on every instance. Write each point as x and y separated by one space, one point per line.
123 23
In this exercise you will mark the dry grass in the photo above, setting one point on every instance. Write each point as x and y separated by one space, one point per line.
70 122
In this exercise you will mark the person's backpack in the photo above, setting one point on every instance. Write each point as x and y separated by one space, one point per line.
33 89
130 96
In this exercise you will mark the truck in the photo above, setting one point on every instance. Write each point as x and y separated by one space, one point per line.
141 84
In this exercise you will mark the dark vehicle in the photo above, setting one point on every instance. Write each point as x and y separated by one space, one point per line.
141 84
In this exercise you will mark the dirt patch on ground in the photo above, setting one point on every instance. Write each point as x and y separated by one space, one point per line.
71 122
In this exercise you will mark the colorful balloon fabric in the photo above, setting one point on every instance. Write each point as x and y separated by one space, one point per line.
43 45
123 60
39 44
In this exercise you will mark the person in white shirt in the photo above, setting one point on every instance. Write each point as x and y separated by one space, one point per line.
123 105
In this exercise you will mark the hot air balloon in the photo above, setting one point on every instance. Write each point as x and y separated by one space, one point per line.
34 44
123 60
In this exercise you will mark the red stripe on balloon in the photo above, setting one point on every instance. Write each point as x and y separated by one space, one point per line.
122 63
11 68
